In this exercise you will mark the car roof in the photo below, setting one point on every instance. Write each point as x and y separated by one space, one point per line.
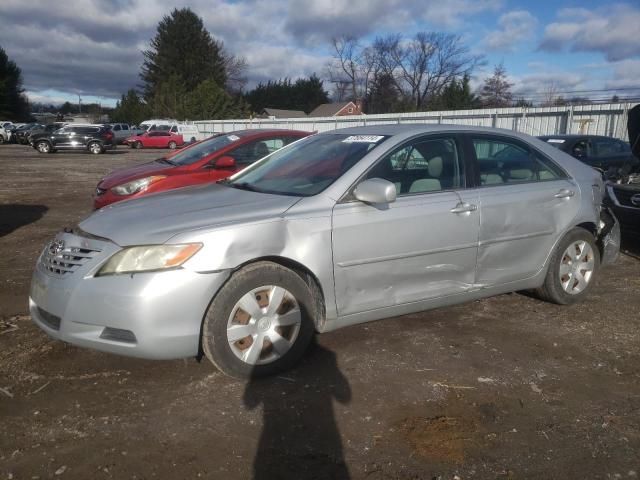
263 131
571 136
418 128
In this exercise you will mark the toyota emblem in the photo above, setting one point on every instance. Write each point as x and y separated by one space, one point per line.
636 200
56 246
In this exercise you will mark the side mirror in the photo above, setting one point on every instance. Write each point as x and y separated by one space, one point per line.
225 162
375 190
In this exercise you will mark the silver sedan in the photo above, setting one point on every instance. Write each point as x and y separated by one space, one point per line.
336 229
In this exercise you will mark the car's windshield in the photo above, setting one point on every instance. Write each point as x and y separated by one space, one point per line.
308 166
197 152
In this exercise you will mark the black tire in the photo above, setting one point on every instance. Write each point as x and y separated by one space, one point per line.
214 331
193 140
43 146
552 290
137 144
172 145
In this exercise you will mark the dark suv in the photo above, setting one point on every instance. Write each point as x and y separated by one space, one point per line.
93 138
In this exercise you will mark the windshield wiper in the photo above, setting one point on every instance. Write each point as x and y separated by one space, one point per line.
164 160
243 186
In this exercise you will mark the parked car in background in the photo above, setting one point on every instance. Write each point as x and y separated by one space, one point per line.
21 134
203 162
4 135
122 131
155 139
624 192
189 132
43 129
92 138
340 228
610 155
157 124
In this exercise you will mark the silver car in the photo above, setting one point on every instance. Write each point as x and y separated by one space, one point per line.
336 229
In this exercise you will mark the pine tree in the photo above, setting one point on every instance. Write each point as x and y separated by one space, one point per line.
182 48
496 91
305 95
130 109
13 103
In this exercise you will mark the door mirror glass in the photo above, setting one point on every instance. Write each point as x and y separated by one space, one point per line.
225 162
375 190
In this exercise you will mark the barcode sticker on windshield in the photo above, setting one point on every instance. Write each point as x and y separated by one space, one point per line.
233 138
363 139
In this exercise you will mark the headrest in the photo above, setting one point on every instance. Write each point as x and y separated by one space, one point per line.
435 167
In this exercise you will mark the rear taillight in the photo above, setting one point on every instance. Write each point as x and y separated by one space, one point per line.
108 135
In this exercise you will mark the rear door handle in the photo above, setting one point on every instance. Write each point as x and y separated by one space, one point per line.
565 193
464 208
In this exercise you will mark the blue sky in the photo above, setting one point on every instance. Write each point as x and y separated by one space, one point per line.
565 46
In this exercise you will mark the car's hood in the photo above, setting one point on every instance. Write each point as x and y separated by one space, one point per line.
123 175
156 218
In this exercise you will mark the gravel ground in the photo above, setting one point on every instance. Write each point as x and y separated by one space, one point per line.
506 387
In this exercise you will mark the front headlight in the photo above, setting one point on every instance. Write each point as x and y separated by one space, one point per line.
136 186
148 258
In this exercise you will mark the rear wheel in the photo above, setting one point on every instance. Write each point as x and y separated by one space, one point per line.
260 322
172 145
572 268
43 147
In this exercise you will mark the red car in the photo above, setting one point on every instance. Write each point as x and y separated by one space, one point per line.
207 161
155 139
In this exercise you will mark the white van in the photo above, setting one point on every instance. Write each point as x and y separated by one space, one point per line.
158 124
189 132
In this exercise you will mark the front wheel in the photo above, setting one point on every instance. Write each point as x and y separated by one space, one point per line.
137 144
95 148
572 268
260 322
172 145
43 147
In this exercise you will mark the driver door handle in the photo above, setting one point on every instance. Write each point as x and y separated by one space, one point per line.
565 193
464 207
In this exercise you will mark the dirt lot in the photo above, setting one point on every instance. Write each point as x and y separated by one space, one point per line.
507 387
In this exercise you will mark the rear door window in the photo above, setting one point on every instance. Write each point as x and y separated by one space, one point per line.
505 161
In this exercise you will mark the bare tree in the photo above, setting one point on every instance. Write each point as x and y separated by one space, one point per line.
351 68
423 65
235 69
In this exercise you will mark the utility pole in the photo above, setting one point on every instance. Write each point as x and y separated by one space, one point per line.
79 104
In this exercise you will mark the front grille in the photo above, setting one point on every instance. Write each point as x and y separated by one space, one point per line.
65 261
49 319
624 195
100 191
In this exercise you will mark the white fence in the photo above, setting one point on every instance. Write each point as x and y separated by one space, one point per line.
608 119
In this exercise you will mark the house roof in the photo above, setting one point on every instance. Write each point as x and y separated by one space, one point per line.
329 109
278 113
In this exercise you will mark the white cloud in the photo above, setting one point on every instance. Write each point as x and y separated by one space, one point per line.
626 74
612 31
515 27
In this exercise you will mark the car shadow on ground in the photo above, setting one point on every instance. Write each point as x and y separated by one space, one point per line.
14 216
300 436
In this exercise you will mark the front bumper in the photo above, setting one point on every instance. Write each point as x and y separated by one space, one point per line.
155 315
